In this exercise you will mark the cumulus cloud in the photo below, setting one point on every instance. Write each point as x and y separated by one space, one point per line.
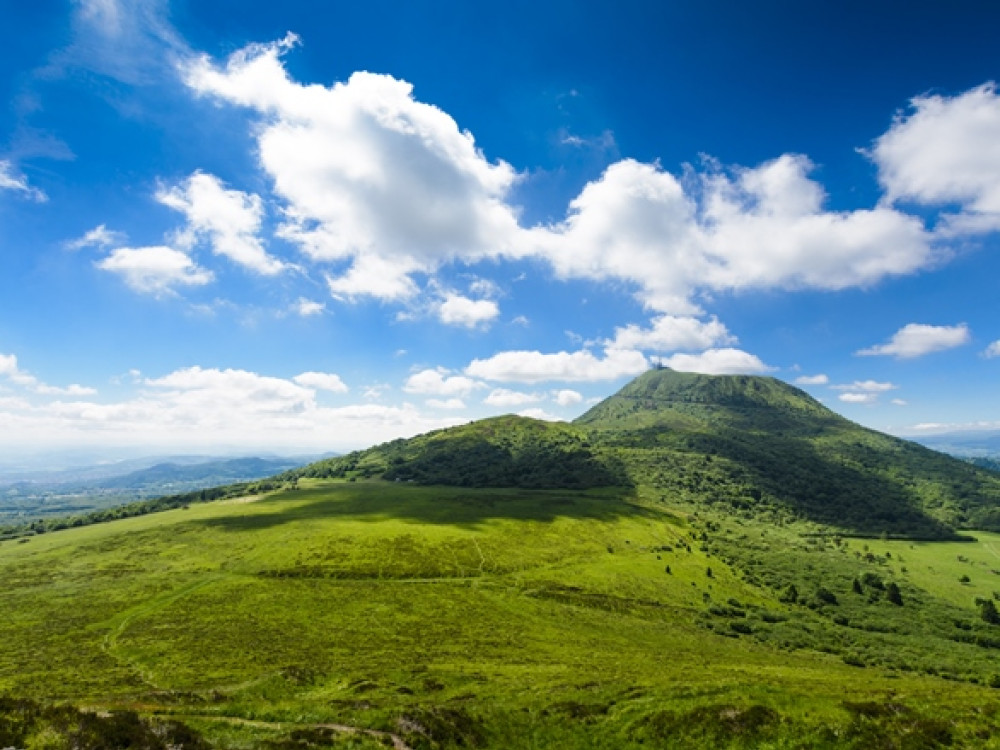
385 187
457 310
325 381
993 350
579 366
567 397
812 380
230 220
307 307
100 236
437 382
727 361
505 398
10 370
155 270
762 227
917 339
371 177
858 398
670 333
946 151
10 180
209 407
866 386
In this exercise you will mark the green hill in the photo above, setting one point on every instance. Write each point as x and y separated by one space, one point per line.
659 574
748 441
504 451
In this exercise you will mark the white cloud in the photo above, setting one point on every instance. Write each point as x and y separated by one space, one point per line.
438 383
14 374
916 340
567 397
375 391
10 180
866 386
452 403
387 187
306 307
325 381
579 366
993 350
100 236
670 333
128 40
229 219
899 402
457 310
208 408
946 151
370 175
726 361
155 270
505 398
754 228
521 320
858 398
812 380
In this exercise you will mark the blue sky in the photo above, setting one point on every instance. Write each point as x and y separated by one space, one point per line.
243 225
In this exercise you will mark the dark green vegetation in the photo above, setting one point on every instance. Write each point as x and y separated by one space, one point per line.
500 452
55 495
696 594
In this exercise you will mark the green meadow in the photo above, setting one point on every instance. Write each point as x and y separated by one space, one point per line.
367 613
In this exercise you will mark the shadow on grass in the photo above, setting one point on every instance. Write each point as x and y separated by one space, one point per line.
852 487
463 507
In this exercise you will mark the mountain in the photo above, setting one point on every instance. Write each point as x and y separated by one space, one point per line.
747 443
675 569
745 440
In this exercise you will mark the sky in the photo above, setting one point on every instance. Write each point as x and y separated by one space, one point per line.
236 226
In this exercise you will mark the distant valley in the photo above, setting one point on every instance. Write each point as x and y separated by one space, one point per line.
32 494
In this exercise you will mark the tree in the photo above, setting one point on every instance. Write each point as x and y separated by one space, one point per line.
856 587
893 595
988 611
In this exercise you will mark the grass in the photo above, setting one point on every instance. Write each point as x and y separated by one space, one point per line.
492 618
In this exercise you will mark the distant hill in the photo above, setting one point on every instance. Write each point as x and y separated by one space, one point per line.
973 443
749 443
93 488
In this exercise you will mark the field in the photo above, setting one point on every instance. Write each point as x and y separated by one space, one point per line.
451 617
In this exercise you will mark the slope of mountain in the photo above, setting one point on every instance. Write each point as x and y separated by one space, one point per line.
747 443
506 451
650 576
761 440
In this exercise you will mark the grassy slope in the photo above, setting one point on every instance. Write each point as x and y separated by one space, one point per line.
502 618
740 440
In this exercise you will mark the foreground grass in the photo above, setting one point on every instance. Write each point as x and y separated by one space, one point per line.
493 618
